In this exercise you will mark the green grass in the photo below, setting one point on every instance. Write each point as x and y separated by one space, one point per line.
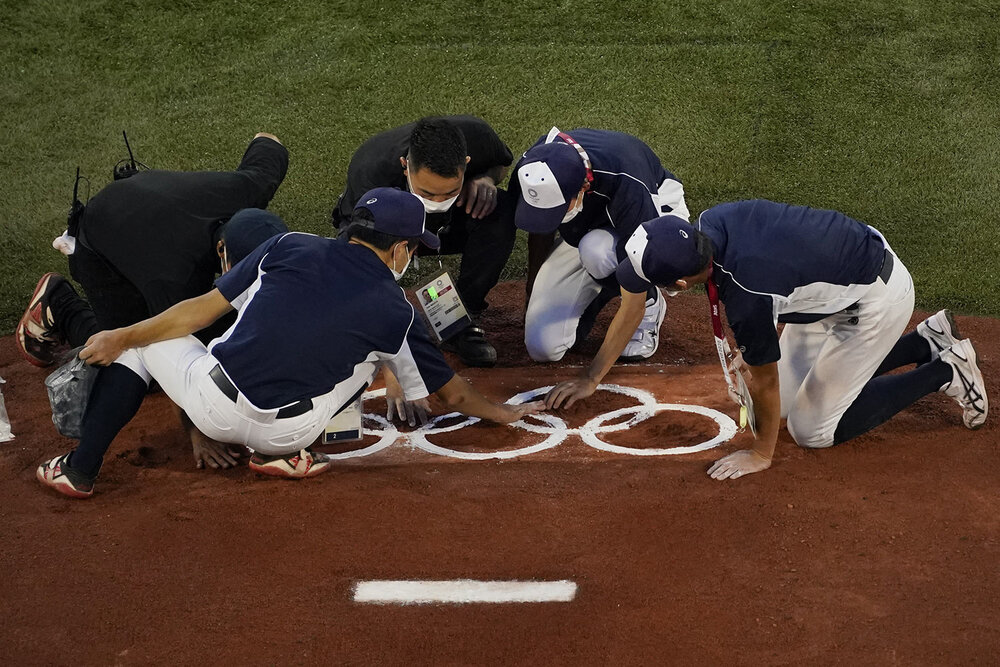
886 111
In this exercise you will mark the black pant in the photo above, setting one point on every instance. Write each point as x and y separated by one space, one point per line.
885 395
116 301
485 246
118 392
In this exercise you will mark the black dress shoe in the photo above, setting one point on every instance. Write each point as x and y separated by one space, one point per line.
472 347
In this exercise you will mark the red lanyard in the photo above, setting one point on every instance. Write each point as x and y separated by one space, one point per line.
738 390
586 158
721 345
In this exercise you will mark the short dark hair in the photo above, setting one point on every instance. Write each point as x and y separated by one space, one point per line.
361 227
438 144
705 248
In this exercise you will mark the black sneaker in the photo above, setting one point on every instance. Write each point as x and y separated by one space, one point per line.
472 347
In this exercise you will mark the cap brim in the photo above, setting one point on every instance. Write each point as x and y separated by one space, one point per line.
539 220
430 240
629 279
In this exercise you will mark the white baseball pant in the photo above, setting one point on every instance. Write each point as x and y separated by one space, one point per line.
825 365
567 282
182 367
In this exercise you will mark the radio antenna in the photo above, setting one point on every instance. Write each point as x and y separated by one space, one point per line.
76 208
129 149
128 166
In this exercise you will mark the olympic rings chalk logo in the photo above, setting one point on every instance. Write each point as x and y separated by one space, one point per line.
555 428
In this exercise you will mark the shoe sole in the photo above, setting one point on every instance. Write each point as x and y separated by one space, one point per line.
977 381
315 470
21 331
484 362
65 488
479 363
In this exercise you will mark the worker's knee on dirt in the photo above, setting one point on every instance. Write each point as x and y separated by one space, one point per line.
597 253
545 344
809 431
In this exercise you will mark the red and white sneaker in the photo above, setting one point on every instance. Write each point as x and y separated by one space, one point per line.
56 474
36 335
299 465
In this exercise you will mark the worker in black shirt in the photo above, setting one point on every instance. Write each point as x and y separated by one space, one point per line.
145 243
454 165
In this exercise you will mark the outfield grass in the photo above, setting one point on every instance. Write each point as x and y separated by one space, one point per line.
886 111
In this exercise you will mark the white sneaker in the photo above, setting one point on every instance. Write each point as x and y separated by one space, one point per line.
647 337
940 331
967 386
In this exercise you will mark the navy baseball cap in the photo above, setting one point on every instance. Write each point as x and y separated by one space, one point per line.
550 176
659 252
398 213
247 229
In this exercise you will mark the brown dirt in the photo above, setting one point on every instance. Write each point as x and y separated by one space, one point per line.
880 551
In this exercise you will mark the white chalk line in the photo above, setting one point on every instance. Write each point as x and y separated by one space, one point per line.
463 591
555 429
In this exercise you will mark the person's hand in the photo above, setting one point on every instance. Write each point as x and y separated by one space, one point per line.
737 464
268 135
515 412
212 453
103 347
408 411
396 404
479 196
566 393
737 365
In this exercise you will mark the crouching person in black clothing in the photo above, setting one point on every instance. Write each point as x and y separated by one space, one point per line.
145 243
453 165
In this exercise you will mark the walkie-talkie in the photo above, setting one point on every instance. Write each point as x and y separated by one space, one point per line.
76 208
128 166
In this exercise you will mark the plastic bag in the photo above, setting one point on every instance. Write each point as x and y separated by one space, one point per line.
69 389
5 433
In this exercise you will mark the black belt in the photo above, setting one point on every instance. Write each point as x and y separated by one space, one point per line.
229 389
887 263
808 318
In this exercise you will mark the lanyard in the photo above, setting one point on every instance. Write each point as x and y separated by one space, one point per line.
721 346
556 132
738 390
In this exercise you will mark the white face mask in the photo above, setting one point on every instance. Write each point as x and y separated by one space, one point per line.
398 275
431 206
571 213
